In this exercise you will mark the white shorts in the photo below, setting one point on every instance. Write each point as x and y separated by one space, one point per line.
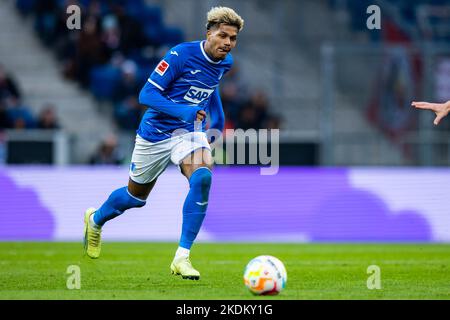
150 159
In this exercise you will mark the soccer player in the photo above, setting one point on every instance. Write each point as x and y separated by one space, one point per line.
179 93
440 109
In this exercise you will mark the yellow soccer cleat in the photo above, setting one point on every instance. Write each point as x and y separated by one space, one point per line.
183 266
92 236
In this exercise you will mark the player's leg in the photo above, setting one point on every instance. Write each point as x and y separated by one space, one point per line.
148 161
132 196
120 200
197 169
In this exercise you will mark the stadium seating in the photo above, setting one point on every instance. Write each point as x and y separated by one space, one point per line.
101 73
411 16
103 80
149 18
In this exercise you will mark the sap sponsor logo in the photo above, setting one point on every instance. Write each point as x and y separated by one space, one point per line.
197 95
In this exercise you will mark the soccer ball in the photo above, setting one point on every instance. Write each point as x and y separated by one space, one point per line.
265 275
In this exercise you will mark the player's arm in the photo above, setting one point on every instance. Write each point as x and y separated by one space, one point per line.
168 70
440 109
152 97
217 117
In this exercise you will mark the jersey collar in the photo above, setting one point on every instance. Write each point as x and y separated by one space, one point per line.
206 56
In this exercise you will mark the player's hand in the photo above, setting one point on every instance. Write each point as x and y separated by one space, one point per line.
201 114
440 109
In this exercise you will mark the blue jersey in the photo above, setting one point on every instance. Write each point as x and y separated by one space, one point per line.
187 80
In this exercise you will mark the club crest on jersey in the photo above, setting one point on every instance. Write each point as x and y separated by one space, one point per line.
162 67
197 95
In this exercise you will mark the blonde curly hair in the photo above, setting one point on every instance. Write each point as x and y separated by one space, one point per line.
228 16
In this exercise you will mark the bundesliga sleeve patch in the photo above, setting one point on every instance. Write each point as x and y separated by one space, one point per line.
162 67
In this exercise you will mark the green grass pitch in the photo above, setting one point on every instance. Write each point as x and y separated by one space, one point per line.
38 270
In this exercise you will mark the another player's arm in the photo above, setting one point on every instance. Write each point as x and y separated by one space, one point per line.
440 109
217 117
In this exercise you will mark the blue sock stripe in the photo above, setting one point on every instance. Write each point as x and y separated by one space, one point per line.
136 198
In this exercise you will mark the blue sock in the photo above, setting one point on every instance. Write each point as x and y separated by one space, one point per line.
194 209
119 201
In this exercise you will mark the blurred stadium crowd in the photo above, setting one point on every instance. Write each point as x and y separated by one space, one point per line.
14 114
415 19
119 44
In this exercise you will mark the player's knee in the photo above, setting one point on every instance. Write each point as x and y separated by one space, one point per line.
201 178
122 200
